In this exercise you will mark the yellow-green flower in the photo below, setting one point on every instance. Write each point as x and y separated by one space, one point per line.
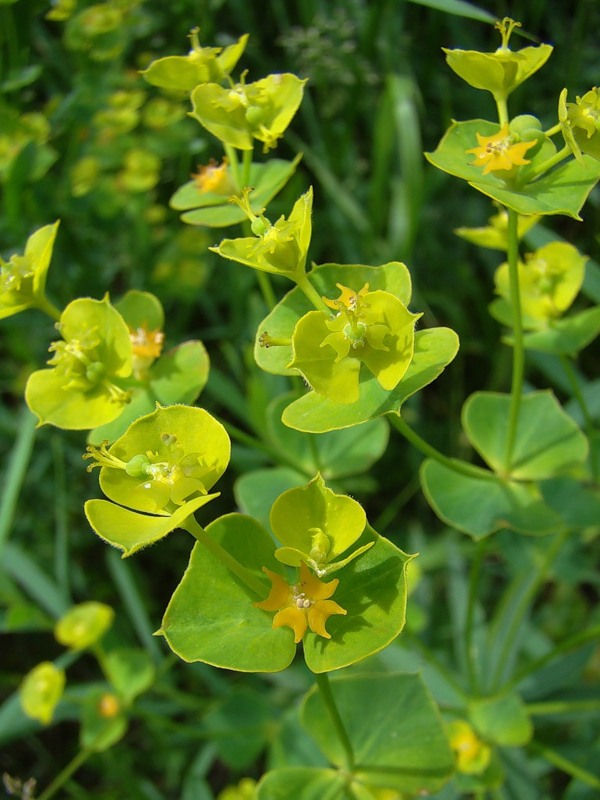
302 605
371 328
580 122
472 755
499 152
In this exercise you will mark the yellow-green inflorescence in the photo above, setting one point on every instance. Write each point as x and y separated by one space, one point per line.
373 328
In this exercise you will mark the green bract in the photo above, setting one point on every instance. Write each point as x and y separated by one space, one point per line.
495 234
177 376
205 199
41 690
212 616
315 525
83 625
163 466
562 190
549 281
201 65
280 248
246 111
500 72
580 122
371 328
80 390
430 350
23 278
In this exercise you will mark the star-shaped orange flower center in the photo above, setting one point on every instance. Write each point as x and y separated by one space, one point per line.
302 605
498 152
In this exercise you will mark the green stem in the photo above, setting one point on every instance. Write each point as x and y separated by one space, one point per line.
64 775
246 166
460 467
549 163
553 130
235 166
564 764
48 308
254 443
322 680
518 348
521 610
266 288
502 109
228 561
315 298
562 707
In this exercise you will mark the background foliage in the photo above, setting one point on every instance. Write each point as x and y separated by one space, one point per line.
85 139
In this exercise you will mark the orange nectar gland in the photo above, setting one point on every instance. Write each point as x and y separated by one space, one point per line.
498 152
214 179
109 706
145 343
302 605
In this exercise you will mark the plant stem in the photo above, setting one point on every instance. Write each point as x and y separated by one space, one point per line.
315 298
228 561
266 288
518 367
246 166
64 775
322 680
549 163
553 130
47 307
460 467
564 764
235 165
502 108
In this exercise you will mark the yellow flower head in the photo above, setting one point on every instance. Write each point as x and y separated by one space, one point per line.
498 152
303 605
